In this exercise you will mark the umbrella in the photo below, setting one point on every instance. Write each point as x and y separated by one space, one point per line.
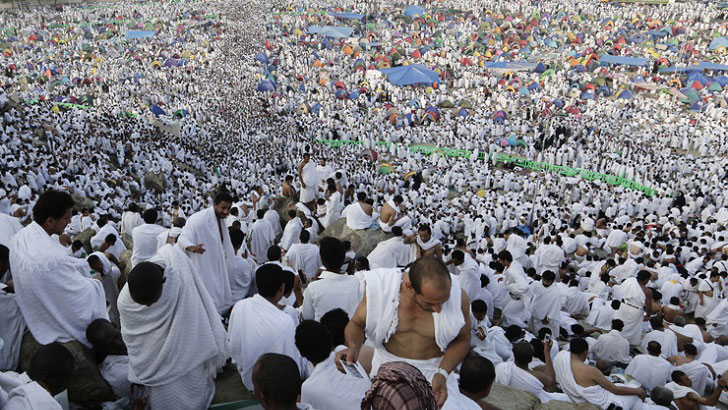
157 111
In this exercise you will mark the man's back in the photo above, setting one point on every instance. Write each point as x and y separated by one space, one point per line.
650 371
304 257
612 347
145 242
258 327
329 292
329 389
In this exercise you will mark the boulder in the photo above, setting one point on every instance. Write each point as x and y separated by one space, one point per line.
282 205
563 405
362 241
81 202
124 257
85 238
508 398
87 389
154 181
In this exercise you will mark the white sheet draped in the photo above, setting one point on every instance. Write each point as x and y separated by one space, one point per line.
176 334
57 301
258 327
204 228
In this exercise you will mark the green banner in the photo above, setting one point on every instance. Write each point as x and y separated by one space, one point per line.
521 162
69 105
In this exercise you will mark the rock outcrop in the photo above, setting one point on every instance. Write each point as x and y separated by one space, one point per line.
362 242
154 181
87 389
85 238
508 398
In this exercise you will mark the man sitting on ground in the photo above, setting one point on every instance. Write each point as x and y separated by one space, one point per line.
326 388
258 326
583 382
277 382
650 370
51 370
518 374
612 346
686 397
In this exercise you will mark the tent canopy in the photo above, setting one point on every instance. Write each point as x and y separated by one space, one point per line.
132 34
511 65
414 11
621 60
718 42
349 16
331 31
411 74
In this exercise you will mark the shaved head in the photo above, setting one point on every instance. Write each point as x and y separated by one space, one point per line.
428 269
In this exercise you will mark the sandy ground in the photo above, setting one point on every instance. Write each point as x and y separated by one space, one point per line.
229 387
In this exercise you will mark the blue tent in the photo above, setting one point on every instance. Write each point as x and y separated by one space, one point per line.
316 108
558 102
540 68
349 16
721 79
156 110
262 58
702 66
699 77
463 112
621 60
625 94
414 11
265 86
331 31
718 42
604 91
411 74
587 95
139 34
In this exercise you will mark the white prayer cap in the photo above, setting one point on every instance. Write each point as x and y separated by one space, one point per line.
175 232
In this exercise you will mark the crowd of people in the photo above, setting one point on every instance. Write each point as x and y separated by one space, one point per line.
171 173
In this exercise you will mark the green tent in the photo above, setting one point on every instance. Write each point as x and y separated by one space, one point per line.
547 74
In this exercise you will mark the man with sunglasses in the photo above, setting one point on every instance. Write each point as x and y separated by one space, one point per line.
419 316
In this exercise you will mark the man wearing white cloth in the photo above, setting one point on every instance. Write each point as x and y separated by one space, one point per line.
44 385
548 257
585 383
545 307
172 331
292 230
308 175
56 298
650 370
687 398
358 214
424 244
420 317
636 300
515 311
258 326
517 373
12 326
261 238
208 245
390 253
145 237
392 216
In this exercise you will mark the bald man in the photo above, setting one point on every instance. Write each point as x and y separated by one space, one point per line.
428 329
